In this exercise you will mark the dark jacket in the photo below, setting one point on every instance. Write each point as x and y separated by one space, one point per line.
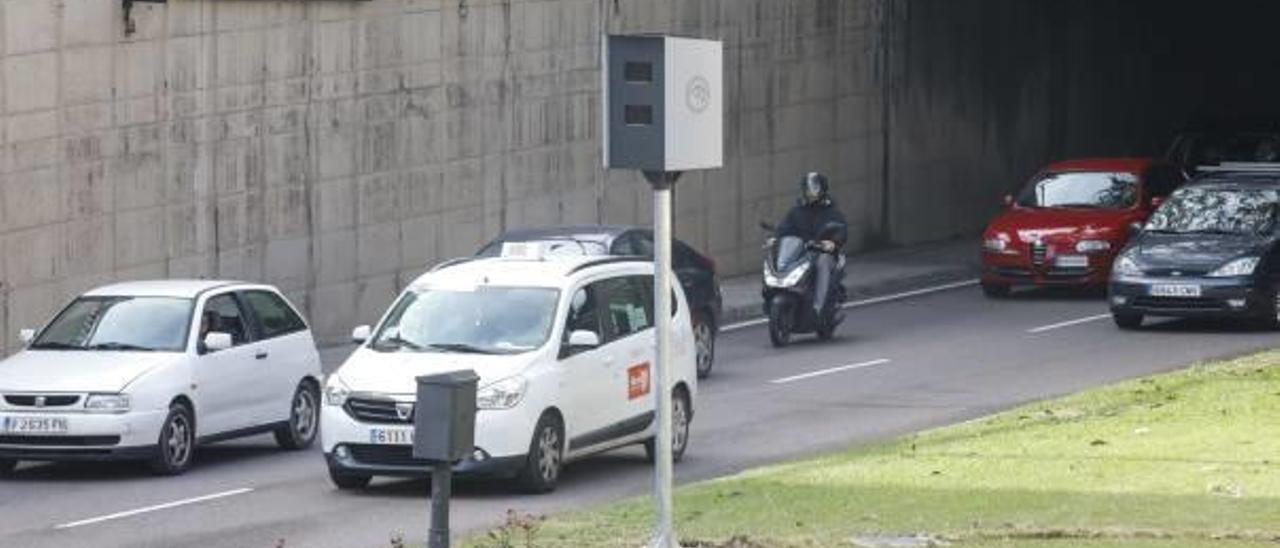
806 221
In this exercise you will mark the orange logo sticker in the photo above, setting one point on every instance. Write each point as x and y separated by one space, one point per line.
638 381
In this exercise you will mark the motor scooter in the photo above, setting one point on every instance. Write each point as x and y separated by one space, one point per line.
790 287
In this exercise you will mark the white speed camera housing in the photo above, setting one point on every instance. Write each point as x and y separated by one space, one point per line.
663 103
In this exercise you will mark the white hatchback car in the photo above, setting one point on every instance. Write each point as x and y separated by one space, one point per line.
149 370
563 348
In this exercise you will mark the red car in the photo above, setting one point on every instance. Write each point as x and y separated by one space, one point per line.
1069 222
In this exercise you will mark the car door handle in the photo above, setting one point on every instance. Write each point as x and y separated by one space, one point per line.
261 355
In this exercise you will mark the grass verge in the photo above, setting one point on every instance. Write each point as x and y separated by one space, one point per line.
1186 459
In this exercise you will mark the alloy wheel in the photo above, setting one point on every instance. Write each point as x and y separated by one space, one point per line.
549 454
177 441
680 425
304 415
705 344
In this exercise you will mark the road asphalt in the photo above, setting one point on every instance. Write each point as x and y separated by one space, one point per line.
940 354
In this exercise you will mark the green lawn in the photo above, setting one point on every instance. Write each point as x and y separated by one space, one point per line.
1186 459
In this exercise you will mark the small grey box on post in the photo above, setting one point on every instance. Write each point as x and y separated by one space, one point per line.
663 103
444 416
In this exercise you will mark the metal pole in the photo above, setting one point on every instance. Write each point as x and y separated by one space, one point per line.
441 492
664 535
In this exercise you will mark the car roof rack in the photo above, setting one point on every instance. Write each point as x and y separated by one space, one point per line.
451 262
1243 167
606 261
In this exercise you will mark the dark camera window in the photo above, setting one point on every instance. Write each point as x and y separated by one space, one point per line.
638 73
638 115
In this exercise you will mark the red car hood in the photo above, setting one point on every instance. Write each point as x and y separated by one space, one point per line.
1028 225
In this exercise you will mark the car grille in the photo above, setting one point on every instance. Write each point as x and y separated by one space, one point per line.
36 400
1067 272
1177 303
375 411
60 441
1039 251
386 455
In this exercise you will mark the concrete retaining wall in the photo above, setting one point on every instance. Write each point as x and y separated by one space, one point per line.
339 147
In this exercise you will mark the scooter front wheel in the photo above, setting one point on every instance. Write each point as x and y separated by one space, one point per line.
780 325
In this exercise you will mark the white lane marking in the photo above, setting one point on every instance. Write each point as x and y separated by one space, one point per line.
821 372
165 506
1068 323
866 302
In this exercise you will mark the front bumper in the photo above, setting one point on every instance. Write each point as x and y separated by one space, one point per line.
502 439
89 437
1219 298
1022 270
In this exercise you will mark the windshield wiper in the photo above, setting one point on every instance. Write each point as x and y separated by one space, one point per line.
1212 231
54 345
461 347
119 346
398 342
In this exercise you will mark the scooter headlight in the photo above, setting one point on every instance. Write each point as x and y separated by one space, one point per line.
796 274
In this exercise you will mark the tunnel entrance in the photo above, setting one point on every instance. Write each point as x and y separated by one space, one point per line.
982 93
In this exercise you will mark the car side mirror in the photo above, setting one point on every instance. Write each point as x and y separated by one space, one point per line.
584 339
26 336
1007 200
361 334
1135 227
216 341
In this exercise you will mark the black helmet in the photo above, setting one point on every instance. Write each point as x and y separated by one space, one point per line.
813 188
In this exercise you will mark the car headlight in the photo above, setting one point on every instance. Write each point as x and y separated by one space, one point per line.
996 245
1092 246
108 403
503 394
335 392
1125 266
1243 266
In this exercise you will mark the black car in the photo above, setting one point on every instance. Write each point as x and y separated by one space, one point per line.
1211 250
696 272
1217 142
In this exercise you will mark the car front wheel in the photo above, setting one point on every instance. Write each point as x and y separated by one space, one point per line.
177 443
348 482
995 291
1127 320
304 419
542 466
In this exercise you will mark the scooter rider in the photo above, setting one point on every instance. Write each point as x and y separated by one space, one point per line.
813 213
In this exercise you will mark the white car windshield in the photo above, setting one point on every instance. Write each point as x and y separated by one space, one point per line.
483 320
119 323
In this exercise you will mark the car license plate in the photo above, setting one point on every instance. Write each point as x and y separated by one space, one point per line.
34 425
1072 261
1175 290
391 436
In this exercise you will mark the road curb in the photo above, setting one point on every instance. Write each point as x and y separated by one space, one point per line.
741 312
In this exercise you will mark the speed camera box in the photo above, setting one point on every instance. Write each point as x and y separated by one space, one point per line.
664 103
